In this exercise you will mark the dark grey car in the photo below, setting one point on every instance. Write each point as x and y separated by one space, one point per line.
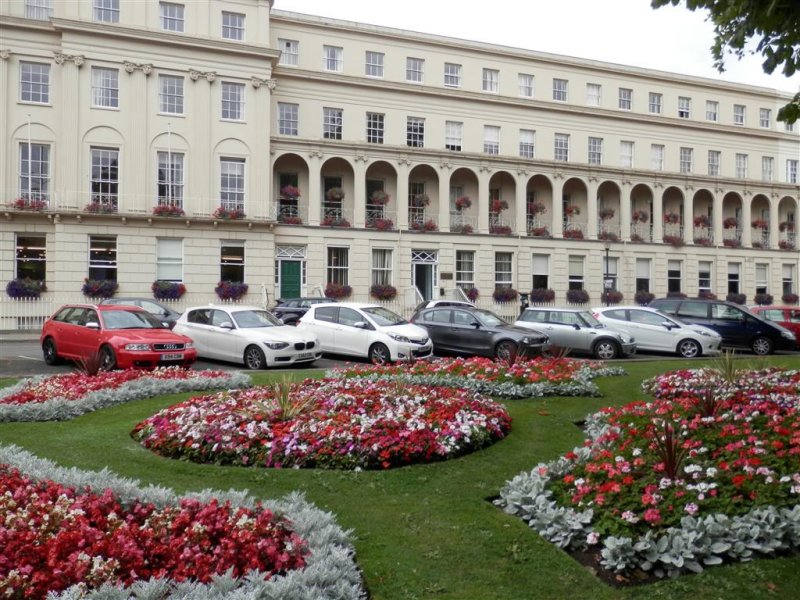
289 310
162 312
474 331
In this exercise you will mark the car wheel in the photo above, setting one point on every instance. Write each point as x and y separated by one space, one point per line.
605 350
379 354
108 361
762 345
505 350
50 352
254 358
689 349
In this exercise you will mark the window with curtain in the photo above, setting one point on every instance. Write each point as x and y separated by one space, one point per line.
575 273
674 268
762 278
381 266
503 270
704 276
338 265
541 272
465 269
169 259
734 271
231 260
642 274
103 257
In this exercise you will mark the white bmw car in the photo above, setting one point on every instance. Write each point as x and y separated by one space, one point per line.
248 335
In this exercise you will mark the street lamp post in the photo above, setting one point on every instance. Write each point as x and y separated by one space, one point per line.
606 280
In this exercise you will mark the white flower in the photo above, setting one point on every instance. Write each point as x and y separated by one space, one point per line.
592 538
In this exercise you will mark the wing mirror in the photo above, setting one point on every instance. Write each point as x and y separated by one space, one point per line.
476 324
226 325
92 325
667 325
576 326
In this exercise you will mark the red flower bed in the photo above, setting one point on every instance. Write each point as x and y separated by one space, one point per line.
53 537
333 424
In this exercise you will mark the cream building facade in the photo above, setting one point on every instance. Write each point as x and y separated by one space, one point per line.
366 155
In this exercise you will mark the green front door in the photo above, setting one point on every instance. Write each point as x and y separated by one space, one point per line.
290 278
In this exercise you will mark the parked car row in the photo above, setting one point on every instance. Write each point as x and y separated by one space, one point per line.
128 334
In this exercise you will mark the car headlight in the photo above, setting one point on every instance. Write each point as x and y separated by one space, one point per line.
399 338
188 345
137 347
276 345
626 338
788 335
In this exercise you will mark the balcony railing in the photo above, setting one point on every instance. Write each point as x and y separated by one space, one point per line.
418 220
760 237
289 212
537 227
499 225
641 232
377 217
460 223
334 215
732 237
703 236
574 230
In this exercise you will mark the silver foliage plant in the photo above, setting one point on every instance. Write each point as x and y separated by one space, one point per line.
330 573
696 544
61 409
580 385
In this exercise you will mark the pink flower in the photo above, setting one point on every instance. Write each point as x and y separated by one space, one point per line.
652 515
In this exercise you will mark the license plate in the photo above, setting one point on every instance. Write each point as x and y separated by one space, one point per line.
176 356
305 355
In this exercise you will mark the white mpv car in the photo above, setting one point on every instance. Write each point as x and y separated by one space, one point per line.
659 332
367 330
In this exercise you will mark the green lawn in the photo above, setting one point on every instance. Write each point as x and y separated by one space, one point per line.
425 531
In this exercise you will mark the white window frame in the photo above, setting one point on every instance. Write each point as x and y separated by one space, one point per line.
560 89
233 26
655 103
172 16
561 146
540 271
465 269
626 154
332 58
415 132
593 94
452 75
527 143
686 162
712 110
739 114
41 10
375 127
684 107
232 257
454 135
787 278
290 52
673 267
30 249
105 87
232 172
491 139
233 101
490 81
576 272
373 63
741 166
288 119
714 161
170 95
525 83
102 257
734 277
34 175
625 99
705 276
170 183
415 69
34 82
503 270
332 123
765 118
643 274
382 260
791 170
169 259
104 188
767 168
337 273
762 278
106 11
657 157
595 151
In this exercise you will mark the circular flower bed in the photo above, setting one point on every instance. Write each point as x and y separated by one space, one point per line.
706 473
326 423
522 379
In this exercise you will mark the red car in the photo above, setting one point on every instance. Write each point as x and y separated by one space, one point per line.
124 337
787 316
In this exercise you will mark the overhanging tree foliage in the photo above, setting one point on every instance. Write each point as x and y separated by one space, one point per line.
773 24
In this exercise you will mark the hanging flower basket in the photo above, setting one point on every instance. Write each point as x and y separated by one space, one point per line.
334 194
379 198
337 291
536 208
572 209
760 224
606 214
25 287
504 294
472 294
228 213
335 222
383 292
290 192
167 290
100 208
672 218
498 206
541 295
730 223
640 216
577 296
463 203
643 297
786 226
99 288
420 201
702 221
231 290
168 210
29 204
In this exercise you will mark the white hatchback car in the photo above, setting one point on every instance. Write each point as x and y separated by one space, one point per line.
656 331
367 330
246 334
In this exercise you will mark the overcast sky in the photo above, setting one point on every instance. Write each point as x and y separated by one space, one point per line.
626 32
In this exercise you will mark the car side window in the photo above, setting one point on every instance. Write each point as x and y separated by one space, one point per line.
694 309
727 313
349 317
565 318
534 316
646 318
200 316
218 317
75 317
618 315
440 316
89 316
772 315
667 306
152 308
463 318
794 316
327 314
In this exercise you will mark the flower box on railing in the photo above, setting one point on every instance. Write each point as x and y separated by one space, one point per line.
228 213
29 204
573 234
231 290
337 291
577 296
675 241
167 290
732 243
168 210
608 236
290 219
703 241
383 292
99 288
542 295
464 228
100 208
643 297
335 222
504 294
635 237
25 287
758 245
539 232
500 229
427 225
786 245
380 224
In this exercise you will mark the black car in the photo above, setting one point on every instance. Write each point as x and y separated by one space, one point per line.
162 312
289 310
737 325
474 331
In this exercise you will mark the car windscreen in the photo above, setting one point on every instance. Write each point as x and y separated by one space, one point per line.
488 319
383 317
130 319
590 319
247 319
